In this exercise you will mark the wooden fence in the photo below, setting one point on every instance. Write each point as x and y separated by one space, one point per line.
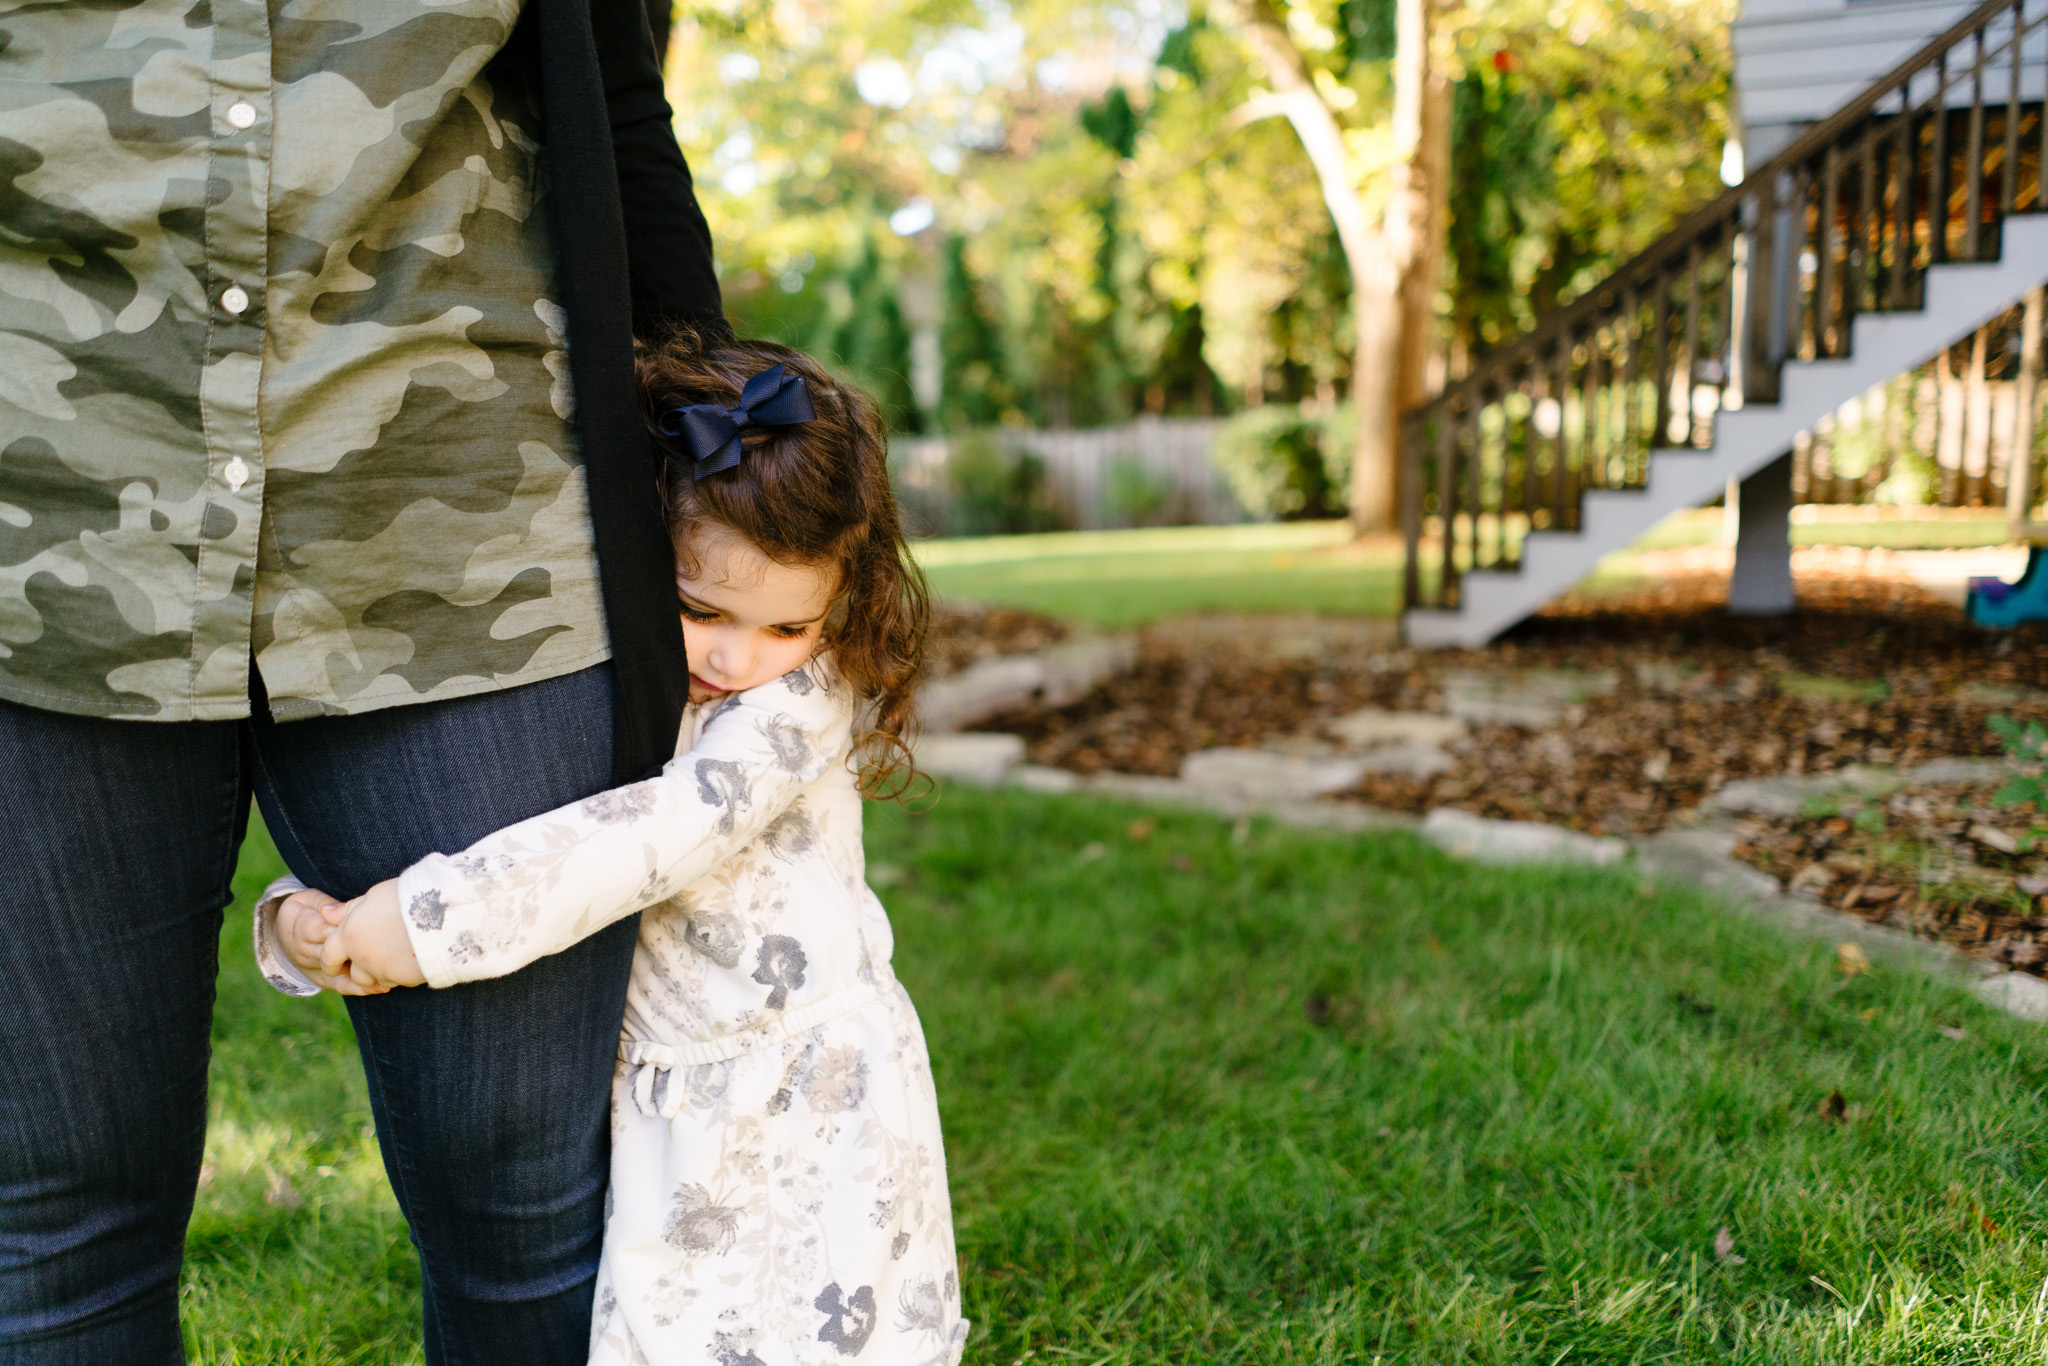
1151 472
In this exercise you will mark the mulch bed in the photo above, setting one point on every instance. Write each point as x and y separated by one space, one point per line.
962 634
1946 864
1864 672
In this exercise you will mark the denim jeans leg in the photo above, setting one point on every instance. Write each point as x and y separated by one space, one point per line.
492 1099
120 843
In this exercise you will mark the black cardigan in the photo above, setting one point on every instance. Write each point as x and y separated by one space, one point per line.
635 257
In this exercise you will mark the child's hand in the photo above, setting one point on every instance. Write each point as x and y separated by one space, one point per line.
305 921
302 929
369 945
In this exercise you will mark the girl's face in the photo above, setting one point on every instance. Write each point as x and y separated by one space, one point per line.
746 618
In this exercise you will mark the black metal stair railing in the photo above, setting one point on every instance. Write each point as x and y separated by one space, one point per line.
1922 168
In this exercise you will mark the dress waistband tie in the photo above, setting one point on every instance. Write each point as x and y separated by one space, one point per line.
652 1058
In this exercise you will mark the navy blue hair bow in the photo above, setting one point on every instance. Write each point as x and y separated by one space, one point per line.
773 398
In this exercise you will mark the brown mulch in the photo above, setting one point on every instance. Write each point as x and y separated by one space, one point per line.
1700 699
1944 864
1184 695
962 634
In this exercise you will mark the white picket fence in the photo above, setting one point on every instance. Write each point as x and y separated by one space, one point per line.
1170 455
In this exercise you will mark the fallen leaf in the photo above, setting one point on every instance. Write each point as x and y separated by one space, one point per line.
1834 1107
1956 1032
2032 886
205 1174
1991 837
282 1193
882 876
1867 1015
1813 878
1724 1249
1141 829
1093 850
1182 863
1850 958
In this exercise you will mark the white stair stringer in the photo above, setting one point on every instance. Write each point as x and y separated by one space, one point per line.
1959 299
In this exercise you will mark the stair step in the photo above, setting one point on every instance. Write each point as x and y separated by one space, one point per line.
1956 300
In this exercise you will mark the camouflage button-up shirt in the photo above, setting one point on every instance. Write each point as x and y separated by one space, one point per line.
281 373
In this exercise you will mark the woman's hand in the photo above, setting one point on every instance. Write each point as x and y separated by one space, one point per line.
368 944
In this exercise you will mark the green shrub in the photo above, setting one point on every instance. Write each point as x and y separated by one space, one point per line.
1287 464
1133 495
997 490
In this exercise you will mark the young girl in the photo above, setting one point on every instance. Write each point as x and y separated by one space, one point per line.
778 1190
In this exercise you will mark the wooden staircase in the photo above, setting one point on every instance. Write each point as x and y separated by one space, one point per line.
1890 230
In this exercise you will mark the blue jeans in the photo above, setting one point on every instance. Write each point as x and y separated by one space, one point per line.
117 843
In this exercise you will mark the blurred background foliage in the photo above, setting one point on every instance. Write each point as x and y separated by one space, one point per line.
1052 212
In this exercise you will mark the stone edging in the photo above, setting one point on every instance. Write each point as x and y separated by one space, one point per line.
1694 856
1055 677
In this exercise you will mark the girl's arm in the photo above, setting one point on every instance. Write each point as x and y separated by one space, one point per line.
539 886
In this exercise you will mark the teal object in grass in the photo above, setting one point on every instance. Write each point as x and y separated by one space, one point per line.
1996 603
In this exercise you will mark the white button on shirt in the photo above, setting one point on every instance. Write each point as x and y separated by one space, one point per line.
241 114
234 298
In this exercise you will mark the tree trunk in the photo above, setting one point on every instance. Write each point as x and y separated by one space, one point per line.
1394 326
1394 263
1432 167
1375 464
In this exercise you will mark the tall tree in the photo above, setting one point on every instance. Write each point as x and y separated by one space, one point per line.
1395 253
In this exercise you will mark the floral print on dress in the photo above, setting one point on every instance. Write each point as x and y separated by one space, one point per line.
791 834
698 1223
620 805
774 1132
839 1081
718 935
921 1309
723 784
780 967
786 738
850 1319
730 1349
427 910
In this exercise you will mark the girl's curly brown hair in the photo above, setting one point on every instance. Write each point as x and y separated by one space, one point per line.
816 493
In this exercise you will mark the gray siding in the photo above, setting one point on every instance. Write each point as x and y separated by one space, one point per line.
1797 61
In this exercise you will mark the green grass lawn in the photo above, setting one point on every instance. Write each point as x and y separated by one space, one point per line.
1307 1098
1128 578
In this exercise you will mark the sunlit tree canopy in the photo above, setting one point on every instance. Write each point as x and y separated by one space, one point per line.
1068 213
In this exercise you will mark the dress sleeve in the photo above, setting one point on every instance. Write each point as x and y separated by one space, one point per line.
278 970
537 887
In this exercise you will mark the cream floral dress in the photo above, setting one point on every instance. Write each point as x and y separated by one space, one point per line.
778 1188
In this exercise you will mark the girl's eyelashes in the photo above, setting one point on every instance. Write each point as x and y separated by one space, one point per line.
703 614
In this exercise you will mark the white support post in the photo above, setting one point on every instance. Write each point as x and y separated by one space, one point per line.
1761 585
